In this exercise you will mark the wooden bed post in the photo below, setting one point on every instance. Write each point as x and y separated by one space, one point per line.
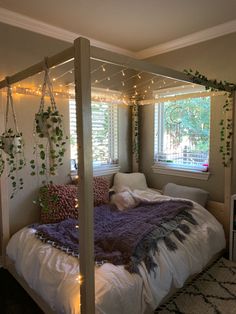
233 189
4 202
229 171
84 135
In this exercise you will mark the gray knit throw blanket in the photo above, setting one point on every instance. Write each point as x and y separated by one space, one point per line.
125 238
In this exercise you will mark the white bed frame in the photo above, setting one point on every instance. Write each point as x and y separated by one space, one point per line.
81 51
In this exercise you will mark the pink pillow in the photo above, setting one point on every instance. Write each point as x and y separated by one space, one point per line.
58 202
100 191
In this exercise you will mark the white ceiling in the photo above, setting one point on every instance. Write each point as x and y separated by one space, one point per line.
134 25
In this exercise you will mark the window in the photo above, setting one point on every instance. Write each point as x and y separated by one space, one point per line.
182 132
104 135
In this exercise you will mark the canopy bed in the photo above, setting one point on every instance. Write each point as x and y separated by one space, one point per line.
82 54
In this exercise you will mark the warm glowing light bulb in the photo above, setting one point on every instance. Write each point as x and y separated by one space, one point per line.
123 73
79 279
135 86
103 69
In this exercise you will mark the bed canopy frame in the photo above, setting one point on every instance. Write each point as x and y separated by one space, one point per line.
82 52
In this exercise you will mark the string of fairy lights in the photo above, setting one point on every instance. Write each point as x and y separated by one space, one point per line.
131 86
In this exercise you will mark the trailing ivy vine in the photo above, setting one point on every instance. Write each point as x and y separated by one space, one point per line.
135 133
226 124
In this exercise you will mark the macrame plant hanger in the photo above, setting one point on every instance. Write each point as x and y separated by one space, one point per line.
47 83
8 106
48 133
12 144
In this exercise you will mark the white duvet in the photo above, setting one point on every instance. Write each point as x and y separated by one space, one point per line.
55 275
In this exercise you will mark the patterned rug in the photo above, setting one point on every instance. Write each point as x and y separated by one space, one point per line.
211 292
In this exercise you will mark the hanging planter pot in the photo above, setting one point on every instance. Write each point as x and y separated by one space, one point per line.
50 140
12 144
47 122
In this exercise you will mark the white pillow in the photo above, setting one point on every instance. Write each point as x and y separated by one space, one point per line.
134 181
195 194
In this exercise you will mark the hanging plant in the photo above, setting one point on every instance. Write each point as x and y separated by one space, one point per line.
135 133
49 148
226 124
11 143
2 162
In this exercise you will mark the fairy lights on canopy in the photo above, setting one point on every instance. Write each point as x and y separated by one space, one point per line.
132 86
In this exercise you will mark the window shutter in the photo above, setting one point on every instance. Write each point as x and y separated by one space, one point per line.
182 132
104 133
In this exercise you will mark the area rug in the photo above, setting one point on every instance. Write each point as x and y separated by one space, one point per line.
211 292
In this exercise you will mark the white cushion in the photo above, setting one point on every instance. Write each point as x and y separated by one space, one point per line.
134 181
197 195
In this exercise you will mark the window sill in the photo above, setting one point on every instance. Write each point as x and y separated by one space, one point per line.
180 172
105 170
100 171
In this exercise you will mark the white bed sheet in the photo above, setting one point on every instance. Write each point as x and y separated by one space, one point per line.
55 275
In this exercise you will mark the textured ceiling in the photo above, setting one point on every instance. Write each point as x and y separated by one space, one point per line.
129 24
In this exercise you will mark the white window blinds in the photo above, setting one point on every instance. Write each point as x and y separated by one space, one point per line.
182 132
104 133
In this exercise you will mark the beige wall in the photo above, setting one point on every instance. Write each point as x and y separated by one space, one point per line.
21 48
215 59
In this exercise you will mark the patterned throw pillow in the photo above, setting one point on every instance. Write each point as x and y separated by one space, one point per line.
100 191
59 202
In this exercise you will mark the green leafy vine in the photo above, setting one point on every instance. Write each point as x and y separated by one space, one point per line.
226 124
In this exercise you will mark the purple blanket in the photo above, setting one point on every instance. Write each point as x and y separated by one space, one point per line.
125 238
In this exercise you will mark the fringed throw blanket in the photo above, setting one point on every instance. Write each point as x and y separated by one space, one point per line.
125 238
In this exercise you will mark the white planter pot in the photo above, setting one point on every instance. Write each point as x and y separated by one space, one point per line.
12 144
45 125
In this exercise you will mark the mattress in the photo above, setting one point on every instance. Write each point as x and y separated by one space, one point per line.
54 275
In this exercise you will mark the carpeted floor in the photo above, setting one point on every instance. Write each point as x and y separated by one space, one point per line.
212 292
13 299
